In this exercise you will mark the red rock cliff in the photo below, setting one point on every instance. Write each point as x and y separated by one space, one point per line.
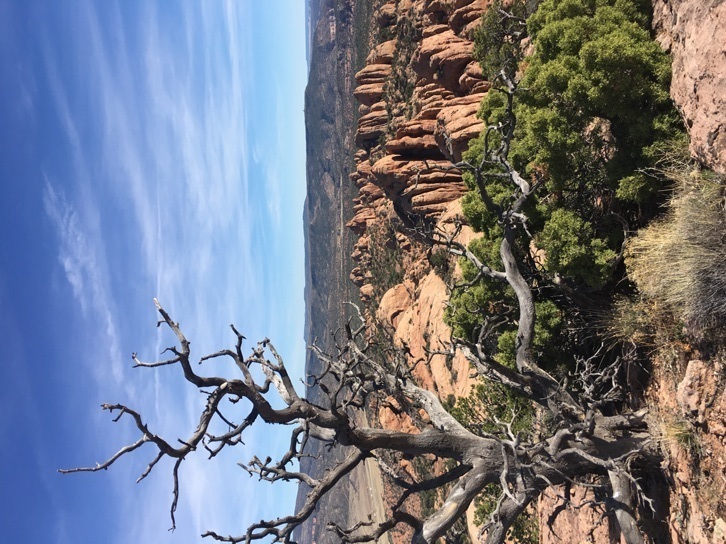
694 32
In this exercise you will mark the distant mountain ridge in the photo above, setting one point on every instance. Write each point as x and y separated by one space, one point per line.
330 118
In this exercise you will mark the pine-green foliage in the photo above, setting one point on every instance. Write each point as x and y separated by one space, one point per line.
573 249
524 530
593 111
487 401
595 67
546 331
592 108
477 412
494 46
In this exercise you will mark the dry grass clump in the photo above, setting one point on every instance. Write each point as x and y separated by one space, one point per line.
681 432
680 260
629 321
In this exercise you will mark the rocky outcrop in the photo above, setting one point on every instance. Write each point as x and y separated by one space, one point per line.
457 123
373 73
369 93
414 313
418 95
694 31
418 101
382 53
472 79
442 58
688 401
372 125
582 525
696 391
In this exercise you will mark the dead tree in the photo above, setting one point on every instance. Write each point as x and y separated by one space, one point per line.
584 442
586 436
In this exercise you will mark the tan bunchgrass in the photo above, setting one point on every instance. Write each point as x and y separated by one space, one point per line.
680 259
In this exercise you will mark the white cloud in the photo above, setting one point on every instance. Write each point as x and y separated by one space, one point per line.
86 274
172 152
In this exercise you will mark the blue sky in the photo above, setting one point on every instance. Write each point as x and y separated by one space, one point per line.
148 149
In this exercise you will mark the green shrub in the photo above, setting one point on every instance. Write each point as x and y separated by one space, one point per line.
593 118
487 401
495 44
440 261
572 249
596 97
477 413
385 266
592 110
524 530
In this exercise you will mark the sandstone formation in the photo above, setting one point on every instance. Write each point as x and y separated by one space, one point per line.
442 57
419 95
694 31
382 53
406 152
457 123
419 324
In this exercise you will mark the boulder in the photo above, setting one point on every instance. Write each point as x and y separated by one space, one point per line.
386 15
373 73
466 13
416 128
382 53
394 174
359 222
366 292
693 32
393 302
369 94
472 80
456 124
410 146
697 389
371 126
441 58
432 30
430 98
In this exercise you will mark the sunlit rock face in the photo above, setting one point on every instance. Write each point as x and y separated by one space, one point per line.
694 32
419 94
416 107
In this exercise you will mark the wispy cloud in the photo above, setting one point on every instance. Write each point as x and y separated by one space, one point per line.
163 203
171 152
85 271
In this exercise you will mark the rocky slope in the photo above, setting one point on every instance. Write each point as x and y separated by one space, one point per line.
407 137
413 137
694 32
417 91
418 94
687 394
